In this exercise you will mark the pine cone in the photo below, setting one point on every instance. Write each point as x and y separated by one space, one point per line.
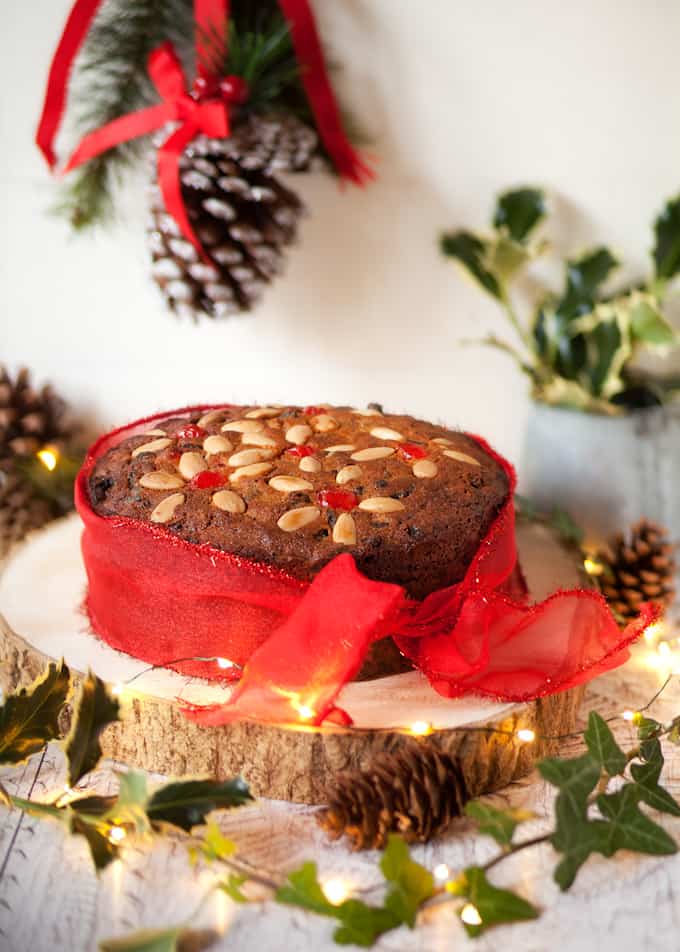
415 792
638 568
21 509
240 211
28 418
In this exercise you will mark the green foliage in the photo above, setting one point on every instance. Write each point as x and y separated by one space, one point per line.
602 747
186 803
410 883
499 824
495 906
94 709
29 719
178 939
232 887
578 345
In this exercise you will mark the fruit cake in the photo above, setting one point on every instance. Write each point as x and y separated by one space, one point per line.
295 486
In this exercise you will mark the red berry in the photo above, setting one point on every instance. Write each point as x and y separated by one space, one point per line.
234 89
337 499
313 411
300 451
191 432
208 479
411 451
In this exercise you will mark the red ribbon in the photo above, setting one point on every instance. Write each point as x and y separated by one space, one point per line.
160 598
204 109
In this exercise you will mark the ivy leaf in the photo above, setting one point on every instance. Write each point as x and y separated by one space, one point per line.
186 803
585 275
602 746
647 727
215 845
519 212
93 709
410 883
304 889
362 924
495 906
646 780
29 719
177 939
471 251
232 887
674 732
569 530
666 251
576 841
647 323
628 828
500 824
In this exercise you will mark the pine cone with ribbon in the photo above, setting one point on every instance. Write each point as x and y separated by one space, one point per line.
243 215
415 792
638 567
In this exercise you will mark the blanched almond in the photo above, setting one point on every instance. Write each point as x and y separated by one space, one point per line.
161 480
462 457
442 441
228 501
216 444
246 457
340 448
367 412
308 464
248 472
165 509
157 432
289 484
258 439
242 426
191 464
298 434
324 423
210 417
424 468
263 413
373 452
384 433
297 518
345 530
348 473
381 504
154 446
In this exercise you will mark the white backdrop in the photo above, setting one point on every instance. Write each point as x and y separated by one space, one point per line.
462 99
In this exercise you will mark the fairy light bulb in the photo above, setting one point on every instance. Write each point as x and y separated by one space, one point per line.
224 663
336 890
420 728
49 457
117 834
653 632
117 689
592 567
526 735
441 872
628 715
664 649
470 915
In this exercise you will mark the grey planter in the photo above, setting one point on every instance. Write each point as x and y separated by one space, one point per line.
606 471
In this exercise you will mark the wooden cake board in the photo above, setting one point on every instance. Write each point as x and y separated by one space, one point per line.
41 590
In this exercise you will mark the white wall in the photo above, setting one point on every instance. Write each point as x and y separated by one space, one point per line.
462 99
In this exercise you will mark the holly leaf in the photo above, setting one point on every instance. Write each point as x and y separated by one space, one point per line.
495 906
362 924
602 746
500 824
186 803
410 883
519 211
646 780
647 323
232 887
29 718
666 251
628 828
177 939
93 710
472 252
102 849
304 889
585 275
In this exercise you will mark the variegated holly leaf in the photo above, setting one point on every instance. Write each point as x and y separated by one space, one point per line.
519 211
94 708
666 252
647 324
472 253
29 718
186 803
585 276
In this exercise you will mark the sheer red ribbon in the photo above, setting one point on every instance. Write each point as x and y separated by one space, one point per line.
202 109
161 599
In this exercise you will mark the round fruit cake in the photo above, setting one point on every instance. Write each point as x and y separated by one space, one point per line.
293 487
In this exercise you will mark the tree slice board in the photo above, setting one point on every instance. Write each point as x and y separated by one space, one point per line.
41 591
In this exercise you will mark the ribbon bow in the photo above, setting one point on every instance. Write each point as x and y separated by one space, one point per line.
203 109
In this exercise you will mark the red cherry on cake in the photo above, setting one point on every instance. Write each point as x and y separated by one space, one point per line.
314 411
409 451
300 451
337 499
208 479
191 432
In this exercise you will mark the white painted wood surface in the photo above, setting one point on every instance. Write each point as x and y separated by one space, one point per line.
51 899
